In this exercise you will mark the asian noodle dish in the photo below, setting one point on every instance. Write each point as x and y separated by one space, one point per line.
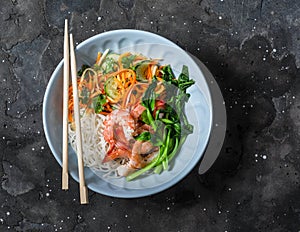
132 114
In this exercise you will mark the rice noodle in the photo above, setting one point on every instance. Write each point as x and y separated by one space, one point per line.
94 146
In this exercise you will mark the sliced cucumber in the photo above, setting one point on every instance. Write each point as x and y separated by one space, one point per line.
141 71
111 88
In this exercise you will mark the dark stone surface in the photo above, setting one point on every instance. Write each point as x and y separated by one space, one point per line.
253 50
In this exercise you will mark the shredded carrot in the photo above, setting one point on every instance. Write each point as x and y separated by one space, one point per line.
92 83
98 58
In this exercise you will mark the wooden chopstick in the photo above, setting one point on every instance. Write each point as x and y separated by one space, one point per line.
82 187
65 174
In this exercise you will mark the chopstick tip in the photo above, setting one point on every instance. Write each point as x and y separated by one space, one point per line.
84 195
65 181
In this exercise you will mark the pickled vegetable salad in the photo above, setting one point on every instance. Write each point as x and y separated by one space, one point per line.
143 104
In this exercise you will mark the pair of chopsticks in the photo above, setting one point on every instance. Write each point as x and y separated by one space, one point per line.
67 58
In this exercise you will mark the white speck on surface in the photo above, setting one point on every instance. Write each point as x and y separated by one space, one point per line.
274 50
264 157
99 18
3 61
220 17
264 58
47 194
7 213
33 149
204 209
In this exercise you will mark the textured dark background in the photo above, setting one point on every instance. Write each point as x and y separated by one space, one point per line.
253 49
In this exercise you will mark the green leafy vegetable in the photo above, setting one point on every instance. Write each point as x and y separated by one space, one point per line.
144 136
148 101
127 61
183 80
98 103
172 129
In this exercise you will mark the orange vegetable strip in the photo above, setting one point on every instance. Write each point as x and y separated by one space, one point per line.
98 57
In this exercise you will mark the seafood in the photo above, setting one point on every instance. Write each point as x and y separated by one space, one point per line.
120 126
142 154
117 132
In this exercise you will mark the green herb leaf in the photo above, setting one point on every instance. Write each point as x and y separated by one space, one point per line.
144 136
98 103
127 61
145 118
168 74
184 81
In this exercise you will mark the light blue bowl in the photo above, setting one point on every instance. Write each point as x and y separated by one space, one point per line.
198 110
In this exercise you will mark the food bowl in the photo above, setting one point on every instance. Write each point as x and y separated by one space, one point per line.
198 110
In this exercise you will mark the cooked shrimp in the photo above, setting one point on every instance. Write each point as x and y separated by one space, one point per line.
118 128
142 154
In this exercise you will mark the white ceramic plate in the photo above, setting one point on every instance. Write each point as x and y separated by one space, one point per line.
198 110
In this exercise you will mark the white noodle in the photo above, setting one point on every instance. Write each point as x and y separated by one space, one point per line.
94 145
